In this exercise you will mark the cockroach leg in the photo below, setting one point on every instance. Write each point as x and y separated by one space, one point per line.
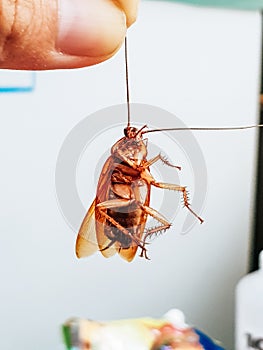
166 162
144 254
115 203
159 217
178 188
163 159
151 161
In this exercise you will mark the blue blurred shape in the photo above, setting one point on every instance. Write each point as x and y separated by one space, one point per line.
17 81
207 342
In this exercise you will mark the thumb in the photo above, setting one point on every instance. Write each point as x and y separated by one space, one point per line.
54 34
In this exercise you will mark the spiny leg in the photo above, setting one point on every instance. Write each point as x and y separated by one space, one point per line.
159 217
147 163
163 159
178 188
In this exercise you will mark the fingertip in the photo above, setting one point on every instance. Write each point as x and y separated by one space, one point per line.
130 7
93 29
60 34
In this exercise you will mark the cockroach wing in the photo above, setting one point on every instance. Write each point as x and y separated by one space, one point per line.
104 185
86 243
128 254
104 243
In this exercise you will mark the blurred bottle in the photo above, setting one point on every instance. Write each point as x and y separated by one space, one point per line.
249 310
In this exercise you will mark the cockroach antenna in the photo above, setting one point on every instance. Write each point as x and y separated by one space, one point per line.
206 128
127 83
171 129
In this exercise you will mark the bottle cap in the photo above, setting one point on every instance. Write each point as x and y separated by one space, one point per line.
176 318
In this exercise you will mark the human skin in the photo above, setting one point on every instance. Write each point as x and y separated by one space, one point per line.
60 34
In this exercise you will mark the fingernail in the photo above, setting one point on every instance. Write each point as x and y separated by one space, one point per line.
89 28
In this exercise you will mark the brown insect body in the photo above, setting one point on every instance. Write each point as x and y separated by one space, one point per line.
115 222
119 212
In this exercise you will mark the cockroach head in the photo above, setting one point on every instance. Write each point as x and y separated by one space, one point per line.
130 132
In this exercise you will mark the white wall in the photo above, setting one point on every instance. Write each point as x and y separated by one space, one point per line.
200 64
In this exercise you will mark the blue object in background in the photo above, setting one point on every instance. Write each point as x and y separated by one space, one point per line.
17 81
207 342
204 340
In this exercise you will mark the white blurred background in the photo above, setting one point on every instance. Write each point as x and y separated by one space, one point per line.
201 64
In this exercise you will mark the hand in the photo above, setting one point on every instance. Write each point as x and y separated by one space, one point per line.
54 34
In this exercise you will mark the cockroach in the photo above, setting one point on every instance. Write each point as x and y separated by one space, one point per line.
116 220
